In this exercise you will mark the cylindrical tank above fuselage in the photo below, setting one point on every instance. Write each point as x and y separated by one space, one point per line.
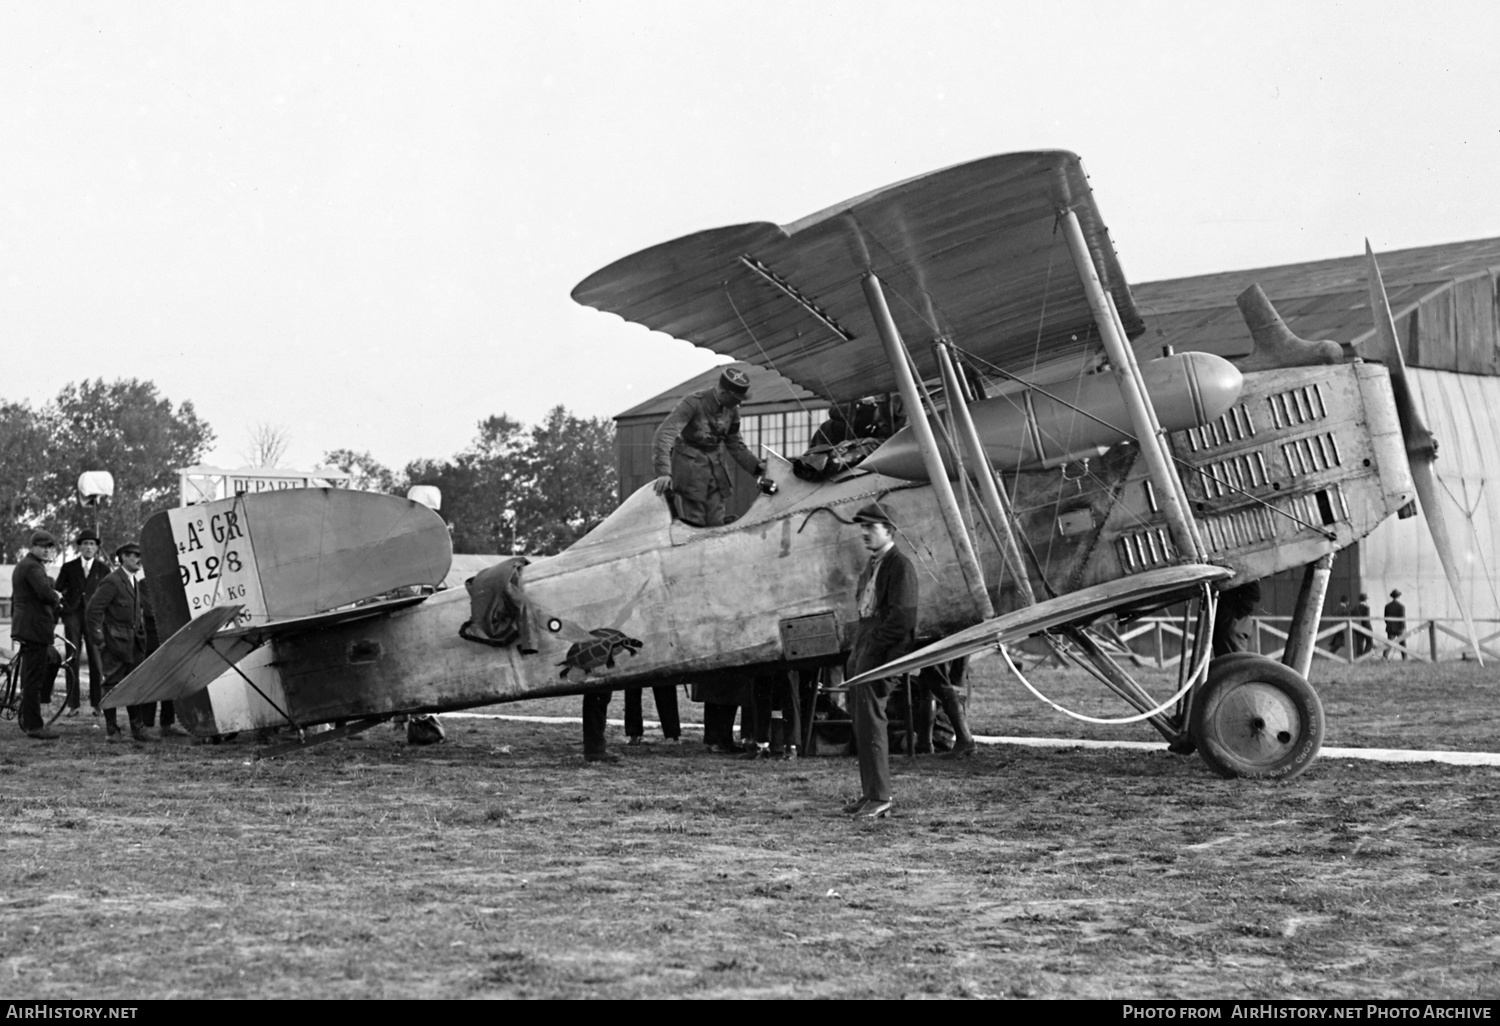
1046 425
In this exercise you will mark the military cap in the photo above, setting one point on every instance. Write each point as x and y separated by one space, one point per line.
874 513
39 538
1396 593
87 534
735 380
128 548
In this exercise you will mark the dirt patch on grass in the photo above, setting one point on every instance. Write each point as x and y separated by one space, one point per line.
366 868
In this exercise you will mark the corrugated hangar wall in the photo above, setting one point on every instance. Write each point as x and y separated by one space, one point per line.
1461 410
1450 334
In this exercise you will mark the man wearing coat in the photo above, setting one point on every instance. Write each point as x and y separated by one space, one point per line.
1395 623
887 599
688 450
77 581
116 622
34 606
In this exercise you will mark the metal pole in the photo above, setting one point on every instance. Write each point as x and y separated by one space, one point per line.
1302 636
1184 533
984 475
937 474
1156 430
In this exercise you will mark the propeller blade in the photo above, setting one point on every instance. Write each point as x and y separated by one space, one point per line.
1421 446
1437 526
1385 349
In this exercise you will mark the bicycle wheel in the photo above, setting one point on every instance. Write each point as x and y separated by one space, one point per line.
9 697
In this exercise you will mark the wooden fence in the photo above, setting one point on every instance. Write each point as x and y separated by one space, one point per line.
1158 640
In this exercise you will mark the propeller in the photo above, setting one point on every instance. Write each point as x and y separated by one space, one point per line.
1421 446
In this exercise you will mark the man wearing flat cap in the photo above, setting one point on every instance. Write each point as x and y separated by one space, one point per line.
34 608
887 602
116 622
77 581
688 451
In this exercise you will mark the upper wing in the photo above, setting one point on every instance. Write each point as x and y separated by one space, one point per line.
969 252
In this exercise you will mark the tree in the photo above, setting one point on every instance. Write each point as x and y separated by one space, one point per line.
463 506
556 480
370 475
478 486
128 429
268 444
23 476
569 471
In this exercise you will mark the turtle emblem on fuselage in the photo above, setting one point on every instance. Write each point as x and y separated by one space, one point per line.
590 655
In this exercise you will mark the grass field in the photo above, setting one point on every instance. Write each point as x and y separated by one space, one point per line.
498 864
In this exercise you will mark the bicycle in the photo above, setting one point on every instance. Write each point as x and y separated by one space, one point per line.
10 688
10 695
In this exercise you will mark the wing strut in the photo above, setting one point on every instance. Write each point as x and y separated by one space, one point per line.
984 474
895 352
1142 417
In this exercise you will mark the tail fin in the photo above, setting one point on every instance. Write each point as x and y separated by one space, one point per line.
290 553
271 558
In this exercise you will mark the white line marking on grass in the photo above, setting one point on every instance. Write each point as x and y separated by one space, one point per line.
1369 754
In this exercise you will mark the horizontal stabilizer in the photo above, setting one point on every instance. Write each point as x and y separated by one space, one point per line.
197 655
189 661
1081 607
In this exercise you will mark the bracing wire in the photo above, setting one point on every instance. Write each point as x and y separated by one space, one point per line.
1205 655
1180 463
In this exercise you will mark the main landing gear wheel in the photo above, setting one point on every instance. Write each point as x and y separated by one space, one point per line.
1256 718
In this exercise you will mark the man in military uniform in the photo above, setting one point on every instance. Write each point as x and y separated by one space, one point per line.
689 449
116 621
34 609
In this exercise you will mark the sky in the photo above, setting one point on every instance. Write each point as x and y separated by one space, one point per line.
360 223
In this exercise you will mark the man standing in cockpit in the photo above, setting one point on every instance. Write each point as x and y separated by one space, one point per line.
689 449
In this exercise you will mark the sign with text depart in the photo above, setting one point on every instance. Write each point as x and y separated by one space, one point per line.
216 558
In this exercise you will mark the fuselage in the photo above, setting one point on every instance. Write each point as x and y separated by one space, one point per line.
1304 462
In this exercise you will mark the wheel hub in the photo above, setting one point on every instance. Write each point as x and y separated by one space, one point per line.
1258 722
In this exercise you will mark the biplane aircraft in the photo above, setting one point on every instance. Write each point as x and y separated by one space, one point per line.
1090 485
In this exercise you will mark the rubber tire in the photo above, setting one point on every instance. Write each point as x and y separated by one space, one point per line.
9 699
1221 664
1185 745
1230 713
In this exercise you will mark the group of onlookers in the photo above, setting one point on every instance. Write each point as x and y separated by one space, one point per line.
108 626
1364 638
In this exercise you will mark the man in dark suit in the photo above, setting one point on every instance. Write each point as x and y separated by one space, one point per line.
169 725
116 622
1395 623
1364 640
34 606
77 581
887 601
